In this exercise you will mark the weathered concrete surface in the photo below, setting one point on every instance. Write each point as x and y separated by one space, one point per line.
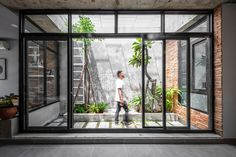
110 55
112 4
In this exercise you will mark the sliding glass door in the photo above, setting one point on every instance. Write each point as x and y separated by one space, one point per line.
71 62
46 83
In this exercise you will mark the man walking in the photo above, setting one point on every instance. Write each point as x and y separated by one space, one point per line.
120 98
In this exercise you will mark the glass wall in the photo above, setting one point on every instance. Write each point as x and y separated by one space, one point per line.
96 62
186 23
93 23
200 85
164 56
176 95
46 24
139 23
153 84
46 75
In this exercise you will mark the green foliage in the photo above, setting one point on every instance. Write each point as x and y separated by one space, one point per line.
84 25
170 94
79 108
136 102
91 108
6 101
170 98
97 108
136 59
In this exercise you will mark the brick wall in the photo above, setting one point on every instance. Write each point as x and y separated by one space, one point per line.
218 71
198 119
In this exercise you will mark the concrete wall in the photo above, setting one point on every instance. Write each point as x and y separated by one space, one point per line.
63 77
229 74
110 55
10 85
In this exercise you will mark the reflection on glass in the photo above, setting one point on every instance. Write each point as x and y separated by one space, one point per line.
46 24
199 84
139 23
186 23
46 83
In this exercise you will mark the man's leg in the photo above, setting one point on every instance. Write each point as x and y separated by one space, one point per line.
126 118
117 112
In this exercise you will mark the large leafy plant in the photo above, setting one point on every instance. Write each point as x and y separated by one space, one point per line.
170 98
136 59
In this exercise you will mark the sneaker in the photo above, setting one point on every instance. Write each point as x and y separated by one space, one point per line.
127 123
116 122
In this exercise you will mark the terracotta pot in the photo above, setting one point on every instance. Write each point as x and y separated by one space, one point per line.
8 112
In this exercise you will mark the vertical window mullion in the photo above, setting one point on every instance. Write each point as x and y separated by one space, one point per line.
143 82
44 73
162 22
164 83
188 83
116 23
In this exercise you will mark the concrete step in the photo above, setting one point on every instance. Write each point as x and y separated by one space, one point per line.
117 138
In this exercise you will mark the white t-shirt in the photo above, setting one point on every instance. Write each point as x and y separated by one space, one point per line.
119 84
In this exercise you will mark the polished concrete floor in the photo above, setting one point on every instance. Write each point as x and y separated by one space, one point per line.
118 150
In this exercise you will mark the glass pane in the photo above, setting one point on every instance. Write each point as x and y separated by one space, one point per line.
186 23
93 23
95 100
46 83
51 71
153 93
199 65
139 23
176 111
46 24
199 83
35 58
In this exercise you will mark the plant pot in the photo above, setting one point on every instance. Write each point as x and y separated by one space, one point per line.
8 112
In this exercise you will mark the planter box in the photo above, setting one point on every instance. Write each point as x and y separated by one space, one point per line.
9 128
134 116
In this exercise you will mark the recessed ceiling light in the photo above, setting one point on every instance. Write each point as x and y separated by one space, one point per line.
14 25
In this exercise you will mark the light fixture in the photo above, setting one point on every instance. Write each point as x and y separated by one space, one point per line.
14 25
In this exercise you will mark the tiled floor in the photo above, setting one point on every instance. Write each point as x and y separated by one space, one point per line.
118 150
133 124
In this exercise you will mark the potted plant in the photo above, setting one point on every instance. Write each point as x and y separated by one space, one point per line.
7 109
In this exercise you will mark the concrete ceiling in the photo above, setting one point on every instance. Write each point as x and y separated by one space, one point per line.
9 24
111 4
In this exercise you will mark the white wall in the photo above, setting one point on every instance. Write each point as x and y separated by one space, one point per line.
9 33
229 72
10 85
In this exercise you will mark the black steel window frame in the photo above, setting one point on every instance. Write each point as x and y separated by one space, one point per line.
208 71
193 89
145 36
26 111
45 49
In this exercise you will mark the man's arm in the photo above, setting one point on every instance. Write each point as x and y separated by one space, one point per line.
121 96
